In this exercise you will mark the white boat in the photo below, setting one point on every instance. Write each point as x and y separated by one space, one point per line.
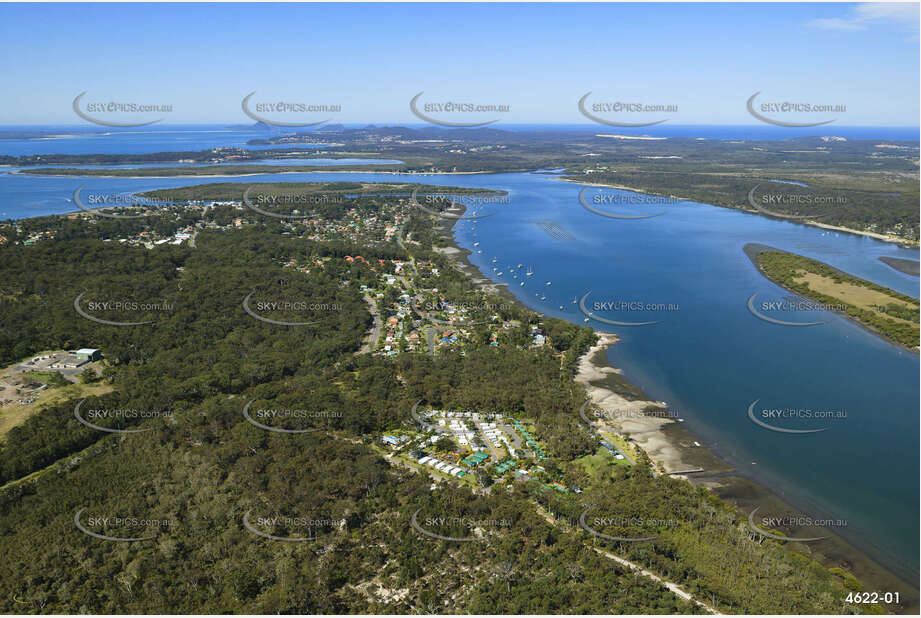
529 272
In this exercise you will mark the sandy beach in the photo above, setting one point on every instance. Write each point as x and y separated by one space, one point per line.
672 448
626 416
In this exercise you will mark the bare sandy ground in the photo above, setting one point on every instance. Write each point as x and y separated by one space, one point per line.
460 257
624 416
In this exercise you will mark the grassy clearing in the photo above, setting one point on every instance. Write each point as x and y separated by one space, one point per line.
621 443
599 460
881 310
859 296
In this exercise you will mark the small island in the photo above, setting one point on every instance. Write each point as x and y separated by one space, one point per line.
884 312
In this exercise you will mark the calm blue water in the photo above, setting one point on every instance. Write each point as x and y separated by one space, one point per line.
271 162
89 140
710 358
83 139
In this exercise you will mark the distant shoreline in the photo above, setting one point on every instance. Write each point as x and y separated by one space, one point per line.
313 170
893 239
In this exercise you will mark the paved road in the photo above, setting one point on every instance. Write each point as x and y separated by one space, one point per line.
431 338
510 432
495 455
375 335
399 237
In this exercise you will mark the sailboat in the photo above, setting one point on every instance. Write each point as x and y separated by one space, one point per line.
529 271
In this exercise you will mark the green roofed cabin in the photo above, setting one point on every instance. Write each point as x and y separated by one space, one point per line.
476 459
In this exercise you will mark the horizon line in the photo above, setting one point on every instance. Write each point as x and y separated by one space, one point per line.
425 125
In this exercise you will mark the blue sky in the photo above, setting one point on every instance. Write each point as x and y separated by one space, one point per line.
538 59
